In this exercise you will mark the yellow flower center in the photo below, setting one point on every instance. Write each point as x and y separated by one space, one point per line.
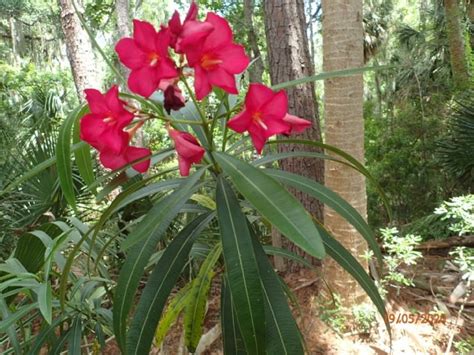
209 62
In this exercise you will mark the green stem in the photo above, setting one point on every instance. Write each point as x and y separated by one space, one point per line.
226 129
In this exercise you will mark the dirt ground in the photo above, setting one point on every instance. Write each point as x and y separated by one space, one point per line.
434 335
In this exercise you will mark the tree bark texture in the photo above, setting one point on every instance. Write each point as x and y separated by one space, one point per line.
343 48
289 59
122 10
457 49
79 50
257 68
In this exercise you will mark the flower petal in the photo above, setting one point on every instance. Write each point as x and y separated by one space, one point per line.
111 159
162 42
221 78
275 127
135 153
257 96
184 166
143 81
297 125
144 35
241 122
277 107
92 127
96 101
222 34
202 86
234 59
193 34
114 140
192 12
130 54
258 137
166 69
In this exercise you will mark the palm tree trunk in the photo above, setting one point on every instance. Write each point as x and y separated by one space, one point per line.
79 50
123 25
289 59
343 48
457 49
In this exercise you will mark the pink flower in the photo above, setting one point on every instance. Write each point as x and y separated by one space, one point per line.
188 148
296 124
146 54
190 33
174 99
103 127
216 59
112 160
262 116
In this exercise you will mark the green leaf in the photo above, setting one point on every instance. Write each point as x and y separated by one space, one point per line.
172 313
332 200
231 337
44 335
165 210
345 259
330 75
75 337
36 170
274 203
285 155
44 300
275 251
282 334
11 332
83 156
196 306
63 155
159 286
138 257
241 268
350 159
15 317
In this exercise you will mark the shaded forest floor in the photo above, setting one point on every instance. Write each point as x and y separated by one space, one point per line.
434 282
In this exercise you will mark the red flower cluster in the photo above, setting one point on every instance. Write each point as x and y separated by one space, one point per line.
209 49
265 115
103 129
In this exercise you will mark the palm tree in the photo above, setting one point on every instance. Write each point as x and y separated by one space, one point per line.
343 48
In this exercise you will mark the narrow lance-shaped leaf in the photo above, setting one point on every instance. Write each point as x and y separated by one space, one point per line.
75 337
172 313
63 155
274 203
332 200
159 286
282 333
241 268
149 232
196 307
351 161
231 337
345 259
44 301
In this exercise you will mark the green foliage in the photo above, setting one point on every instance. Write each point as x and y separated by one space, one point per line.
400 251
458 212
464 258
455 149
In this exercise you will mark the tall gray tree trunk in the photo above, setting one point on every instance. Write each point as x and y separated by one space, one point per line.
289 59
122 10
257 68
15 34
343 48
79 50
457 49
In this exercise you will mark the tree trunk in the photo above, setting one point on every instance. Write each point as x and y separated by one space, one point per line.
343 48
123 25
289 59
256 70
15 40
79 50
457 49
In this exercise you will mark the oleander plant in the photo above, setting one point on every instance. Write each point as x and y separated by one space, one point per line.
196 221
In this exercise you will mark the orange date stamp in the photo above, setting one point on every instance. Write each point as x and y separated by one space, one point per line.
416 318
